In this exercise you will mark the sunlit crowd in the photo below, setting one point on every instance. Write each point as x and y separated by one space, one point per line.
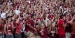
37 19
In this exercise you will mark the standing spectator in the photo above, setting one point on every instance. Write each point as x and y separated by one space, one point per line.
9 28
18 29
53 30
72 22
1 28
43 31
30 25
73 29
61 30
68 30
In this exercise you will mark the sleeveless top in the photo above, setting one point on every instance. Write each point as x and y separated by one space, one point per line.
9 29
18 28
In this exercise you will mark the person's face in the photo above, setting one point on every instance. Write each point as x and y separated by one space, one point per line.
5 9
15 16
9 20
67 17
63 18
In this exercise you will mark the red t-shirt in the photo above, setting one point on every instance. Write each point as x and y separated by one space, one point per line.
61 30
73 28
31 22
38 18
14 24
1 27
18 28
43 32
9 29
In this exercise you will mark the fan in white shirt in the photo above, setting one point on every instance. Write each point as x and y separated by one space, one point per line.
3 15
17 12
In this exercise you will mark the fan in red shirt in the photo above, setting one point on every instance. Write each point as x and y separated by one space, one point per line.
42 30
9 28
18 28
44 33
30 24
61 30
1 28
72 22
73 29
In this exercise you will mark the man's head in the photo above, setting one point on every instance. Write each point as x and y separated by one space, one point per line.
61 16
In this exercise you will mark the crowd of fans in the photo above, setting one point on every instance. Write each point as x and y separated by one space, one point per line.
37 19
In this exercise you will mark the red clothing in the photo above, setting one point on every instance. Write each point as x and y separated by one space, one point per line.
38 18
31 22
73 36
43 33
61 36
18 28
73 28
1 27
49 16
9 29
61 30
74 5
14 23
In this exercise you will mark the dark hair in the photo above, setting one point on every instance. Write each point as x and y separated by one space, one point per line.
74 20
73 14
61 16
9 17
64 0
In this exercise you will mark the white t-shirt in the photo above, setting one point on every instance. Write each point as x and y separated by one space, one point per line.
3 15
17 12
